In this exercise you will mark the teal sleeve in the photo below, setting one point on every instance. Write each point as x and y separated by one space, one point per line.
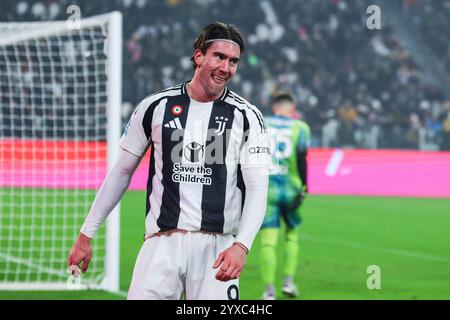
304 138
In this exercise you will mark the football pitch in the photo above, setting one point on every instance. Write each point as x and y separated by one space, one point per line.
340 238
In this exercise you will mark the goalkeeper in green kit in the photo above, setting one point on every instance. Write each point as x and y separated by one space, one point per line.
290 139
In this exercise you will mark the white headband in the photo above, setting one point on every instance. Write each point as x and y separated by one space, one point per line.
227 40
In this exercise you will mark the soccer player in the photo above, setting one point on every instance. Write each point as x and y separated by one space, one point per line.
290 140
208 172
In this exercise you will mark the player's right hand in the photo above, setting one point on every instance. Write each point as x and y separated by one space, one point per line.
81 252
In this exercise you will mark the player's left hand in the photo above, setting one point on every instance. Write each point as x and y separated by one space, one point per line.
231 262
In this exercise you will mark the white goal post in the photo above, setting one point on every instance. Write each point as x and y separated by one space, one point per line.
60 125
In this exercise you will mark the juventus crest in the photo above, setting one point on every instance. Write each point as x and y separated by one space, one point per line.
221 121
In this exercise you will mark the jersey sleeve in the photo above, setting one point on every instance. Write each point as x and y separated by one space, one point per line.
304 138
136 136
256 149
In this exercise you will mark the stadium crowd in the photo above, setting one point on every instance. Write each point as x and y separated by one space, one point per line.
356 87
431 17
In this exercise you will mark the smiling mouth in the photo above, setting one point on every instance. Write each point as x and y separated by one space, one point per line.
219 80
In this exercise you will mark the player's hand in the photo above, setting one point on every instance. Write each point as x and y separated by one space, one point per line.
81 252
230 263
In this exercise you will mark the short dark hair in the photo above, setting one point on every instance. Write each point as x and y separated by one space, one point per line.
282 97
217 30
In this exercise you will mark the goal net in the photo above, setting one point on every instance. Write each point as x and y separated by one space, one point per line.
60 96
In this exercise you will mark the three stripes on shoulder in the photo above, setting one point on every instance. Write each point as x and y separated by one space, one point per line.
174 124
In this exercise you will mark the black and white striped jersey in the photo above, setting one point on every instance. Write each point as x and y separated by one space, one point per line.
197 152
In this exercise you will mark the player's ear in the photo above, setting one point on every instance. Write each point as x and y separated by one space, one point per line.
293 108
198 57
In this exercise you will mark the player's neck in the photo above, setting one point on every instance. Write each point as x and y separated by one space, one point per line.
284 114
196 91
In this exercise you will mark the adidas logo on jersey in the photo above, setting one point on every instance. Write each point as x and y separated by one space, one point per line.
174 124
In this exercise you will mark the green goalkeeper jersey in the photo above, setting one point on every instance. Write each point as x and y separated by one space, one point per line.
290 138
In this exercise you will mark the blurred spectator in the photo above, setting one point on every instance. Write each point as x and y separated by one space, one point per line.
356 88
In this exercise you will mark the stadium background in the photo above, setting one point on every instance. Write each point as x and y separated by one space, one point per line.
378 103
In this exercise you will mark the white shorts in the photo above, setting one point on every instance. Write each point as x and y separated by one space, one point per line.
180 265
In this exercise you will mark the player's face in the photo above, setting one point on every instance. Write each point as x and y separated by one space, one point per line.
216 68
284 109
